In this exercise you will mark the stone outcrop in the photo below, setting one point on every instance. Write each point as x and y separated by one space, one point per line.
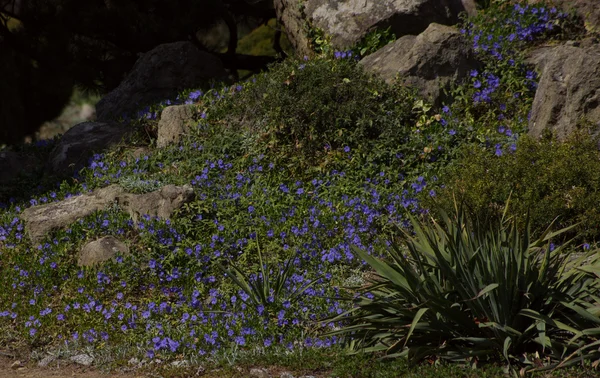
159 75
80 142
428 62
568 91
160 203
174 122
42 219
347 22
101 250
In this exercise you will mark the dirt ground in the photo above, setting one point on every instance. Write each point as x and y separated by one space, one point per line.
28 369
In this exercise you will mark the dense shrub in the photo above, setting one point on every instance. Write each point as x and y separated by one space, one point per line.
304 109
469 289
545 179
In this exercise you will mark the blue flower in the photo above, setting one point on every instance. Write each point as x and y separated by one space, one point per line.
498 149
240 340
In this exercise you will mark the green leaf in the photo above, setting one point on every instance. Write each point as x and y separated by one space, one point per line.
486 290
416 320
506 347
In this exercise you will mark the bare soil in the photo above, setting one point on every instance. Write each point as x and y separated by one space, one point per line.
28 369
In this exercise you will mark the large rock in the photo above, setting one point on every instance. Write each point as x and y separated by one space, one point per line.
428 62
348 21
174 122
80 142
568 91
101 250
158 75
42 219
160 203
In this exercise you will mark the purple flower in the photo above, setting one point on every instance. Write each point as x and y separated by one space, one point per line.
240 340
498 149
195 95
173 345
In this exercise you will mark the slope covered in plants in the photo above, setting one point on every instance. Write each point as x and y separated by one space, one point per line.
299 174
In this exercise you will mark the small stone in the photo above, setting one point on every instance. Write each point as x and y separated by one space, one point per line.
180 364
286 374
46 360
101 250
83 359
15 365
259 373
174 122
133 361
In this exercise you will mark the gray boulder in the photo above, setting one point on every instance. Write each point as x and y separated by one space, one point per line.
158 75
348 21
428 62
79 143
174 122
568 91
160 203
42 219
101 250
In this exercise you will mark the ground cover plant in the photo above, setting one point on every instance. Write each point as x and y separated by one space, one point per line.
302 175
563 176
